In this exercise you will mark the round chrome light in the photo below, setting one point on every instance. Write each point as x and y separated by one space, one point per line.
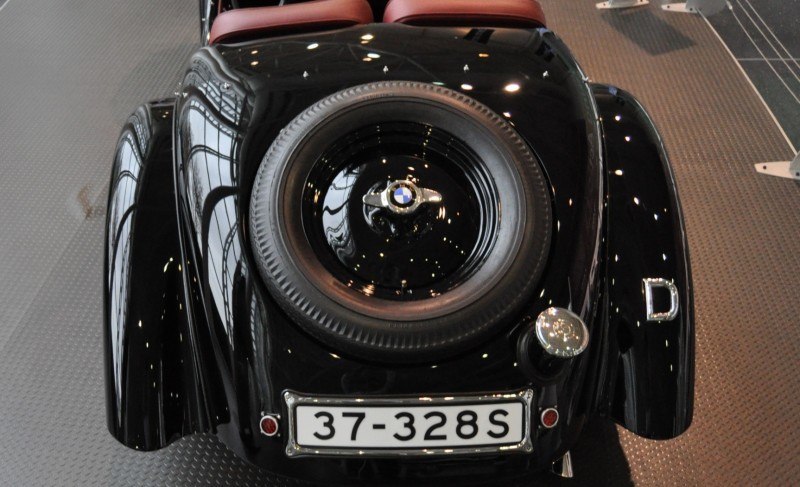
561 333
549 418
269 425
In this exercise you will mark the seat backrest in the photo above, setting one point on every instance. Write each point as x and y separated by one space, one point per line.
467 13
247 23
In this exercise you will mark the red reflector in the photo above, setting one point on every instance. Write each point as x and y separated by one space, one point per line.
269 425
549 417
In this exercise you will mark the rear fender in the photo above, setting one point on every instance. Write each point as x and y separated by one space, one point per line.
646 376
154 377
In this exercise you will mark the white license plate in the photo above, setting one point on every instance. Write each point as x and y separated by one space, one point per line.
408 425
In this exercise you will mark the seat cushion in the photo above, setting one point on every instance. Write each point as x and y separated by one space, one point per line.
467 13
248 23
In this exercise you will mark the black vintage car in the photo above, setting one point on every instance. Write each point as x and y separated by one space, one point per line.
422 249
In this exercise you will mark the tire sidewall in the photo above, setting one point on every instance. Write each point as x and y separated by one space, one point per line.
321 305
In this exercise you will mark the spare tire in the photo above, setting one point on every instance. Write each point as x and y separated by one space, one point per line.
400 221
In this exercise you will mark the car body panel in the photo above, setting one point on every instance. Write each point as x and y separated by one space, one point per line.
649 371
240 351
157 387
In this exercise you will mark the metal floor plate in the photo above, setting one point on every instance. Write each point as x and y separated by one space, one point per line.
743 236
71 72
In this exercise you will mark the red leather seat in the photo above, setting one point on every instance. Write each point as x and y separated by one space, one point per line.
466 13
246 23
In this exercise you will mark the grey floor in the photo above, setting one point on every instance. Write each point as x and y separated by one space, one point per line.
743 237
71 72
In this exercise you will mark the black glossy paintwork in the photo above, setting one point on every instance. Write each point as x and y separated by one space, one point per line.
648 383
236 351
156 385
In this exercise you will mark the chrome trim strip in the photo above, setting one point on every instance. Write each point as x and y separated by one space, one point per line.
563 466
294 399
